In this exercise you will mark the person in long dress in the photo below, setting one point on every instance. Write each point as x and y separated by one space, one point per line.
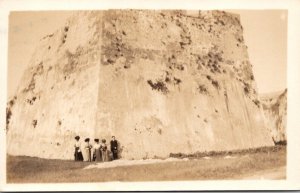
97 152
104 151
78 154
87 148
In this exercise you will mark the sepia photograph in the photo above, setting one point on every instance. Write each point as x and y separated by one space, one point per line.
146 95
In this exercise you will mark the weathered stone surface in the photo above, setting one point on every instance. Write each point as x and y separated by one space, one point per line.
161 81
275 111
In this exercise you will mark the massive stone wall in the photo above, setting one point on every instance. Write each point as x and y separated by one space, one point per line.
161 81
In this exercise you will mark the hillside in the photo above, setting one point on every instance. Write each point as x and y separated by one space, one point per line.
275 111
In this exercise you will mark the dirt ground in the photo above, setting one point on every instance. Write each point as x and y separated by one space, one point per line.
267 163
270 174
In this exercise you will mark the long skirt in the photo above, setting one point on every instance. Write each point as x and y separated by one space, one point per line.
87 156
97 155
105 156
78 155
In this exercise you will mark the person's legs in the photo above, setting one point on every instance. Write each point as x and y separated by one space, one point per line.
115 155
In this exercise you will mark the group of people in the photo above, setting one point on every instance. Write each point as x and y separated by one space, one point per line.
97 152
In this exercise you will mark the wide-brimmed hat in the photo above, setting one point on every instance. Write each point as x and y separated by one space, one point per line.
87 140
96 140
77 137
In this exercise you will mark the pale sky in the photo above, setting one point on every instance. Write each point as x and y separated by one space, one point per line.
265 33
25 31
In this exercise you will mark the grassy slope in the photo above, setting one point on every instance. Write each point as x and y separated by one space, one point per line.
22 169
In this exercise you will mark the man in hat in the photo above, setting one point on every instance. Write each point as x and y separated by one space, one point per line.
114 147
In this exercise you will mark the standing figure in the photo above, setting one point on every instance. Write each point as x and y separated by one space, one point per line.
77 154
114 148
104 152
88 148
97 151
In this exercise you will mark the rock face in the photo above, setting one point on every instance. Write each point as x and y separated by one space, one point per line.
161 81
275 111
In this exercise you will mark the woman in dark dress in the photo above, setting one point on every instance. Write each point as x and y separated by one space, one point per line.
104 151
78 154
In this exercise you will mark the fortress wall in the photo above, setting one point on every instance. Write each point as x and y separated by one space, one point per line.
161 81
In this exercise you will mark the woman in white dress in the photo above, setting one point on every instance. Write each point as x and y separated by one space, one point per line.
97 151
78 154
87 148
